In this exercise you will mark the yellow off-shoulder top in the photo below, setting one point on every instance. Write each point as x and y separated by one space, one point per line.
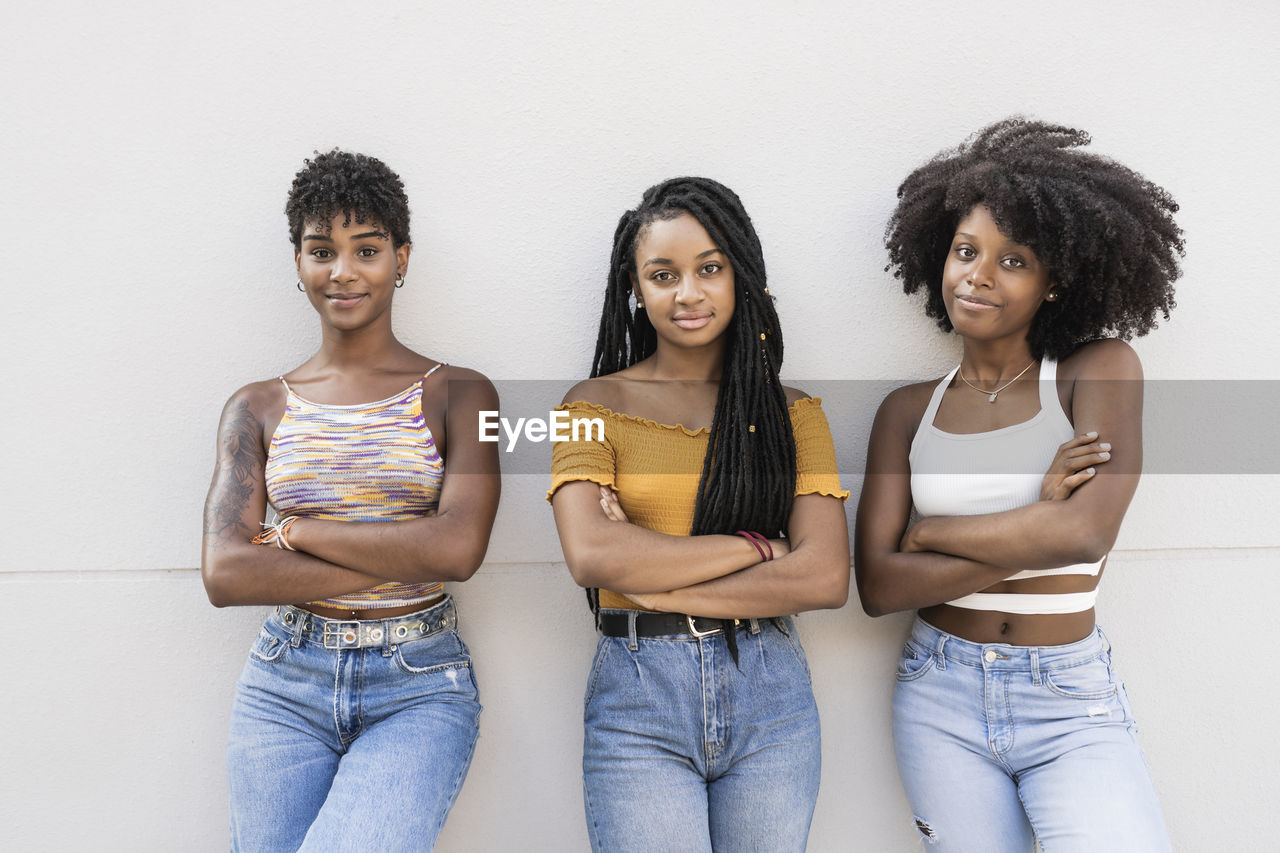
655 467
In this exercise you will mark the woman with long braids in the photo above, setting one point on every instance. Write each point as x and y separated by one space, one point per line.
707 513
1010 723
355 717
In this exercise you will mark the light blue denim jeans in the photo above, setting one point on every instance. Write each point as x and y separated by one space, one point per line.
684 751
355 748
997 743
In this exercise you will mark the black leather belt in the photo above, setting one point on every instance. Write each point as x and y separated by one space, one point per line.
664 625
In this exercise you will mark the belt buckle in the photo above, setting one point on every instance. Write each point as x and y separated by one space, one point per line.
341 635
693 629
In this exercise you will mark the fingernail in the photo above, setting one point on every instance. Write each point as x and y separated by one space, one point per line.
1090 470
1105 445
1091 433
1105 455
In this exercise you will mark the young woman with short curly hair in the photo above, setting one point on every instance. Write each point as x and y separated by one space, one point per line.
356 714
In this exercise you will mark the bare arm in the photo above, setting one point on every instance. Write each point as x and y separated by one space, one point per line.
447 546
234 570
1107 399
812 576
631 559
889 579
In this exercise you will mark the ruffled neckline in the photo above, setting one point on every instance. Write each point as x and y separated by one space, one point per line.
623 416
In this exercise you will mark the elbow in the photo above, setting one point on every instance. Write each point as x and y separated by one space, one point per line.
585 572
467 561
832 587
873 604
1085 543
873 596
217 584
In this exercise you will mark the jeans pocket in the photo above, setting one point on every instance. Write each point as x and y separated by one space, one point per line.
602 651
268 648
1089 680
792 639
914 663
432 654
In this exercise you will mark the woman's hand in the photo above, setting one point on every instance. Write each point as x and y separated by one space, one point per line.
609 503
1072 466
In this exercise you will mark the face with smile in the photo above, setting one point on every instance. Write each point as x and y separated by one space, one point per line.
991 286
349 270
685 282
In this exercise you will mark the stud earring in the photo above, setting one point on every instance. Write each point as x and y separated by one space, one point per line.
301 289
1052 296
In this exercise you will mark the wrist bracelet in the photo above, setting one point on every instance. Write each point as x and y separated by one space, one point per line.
276 533
759 541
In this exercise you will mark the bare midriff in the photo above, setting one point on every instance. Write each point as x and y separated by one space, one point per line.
1020 629
370 614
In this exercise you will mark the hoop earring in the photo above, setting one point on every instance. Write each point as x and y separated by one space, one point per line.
301 289
400 281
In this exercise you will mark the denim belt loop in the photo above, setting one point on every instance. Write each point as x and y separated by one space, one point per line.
299 622
631 630
938 654
387 644
1106 644
1035 666
755 626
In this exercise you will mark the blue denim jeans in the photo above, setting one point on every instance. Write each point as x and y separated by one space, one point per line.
350 749
997 743
684 751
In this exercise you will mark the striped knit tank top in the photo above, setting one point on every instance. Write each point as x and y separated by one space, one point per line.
370 462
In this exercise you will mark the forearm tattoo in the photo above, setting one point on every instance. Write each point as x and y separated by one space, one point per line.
240 457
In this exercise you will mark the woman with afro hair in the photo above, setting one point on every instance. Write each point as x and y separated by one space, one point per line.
356 714
1010 723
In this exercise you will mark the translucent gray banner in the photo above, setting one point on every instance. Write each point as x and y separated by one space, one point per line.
1189 426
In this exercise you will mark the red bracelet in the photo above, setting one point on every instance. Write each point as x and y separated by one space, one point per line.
759 541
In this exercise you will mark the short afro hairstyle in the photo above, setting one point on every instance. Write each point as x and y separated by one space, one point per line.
361 187
1105 233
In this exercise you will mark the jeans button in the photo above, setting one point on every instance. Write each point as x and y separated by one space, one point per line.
990 656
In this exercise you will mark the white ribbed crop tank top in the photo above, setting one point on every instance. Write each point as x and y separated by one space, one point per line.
995 471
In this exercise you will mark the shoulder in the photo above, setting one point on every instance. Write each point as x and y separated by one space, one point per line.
906 405
256 398
794 395
1110 358
606 391
452 384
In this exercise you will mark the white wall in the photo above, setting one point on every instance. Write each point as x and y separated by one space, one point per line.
146 153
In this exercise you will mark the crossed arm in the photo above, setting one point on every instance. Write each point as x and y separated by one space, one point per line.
946 557
334 557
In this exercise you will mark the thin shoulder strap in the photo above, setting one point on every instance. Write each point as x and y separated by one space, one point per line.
287 389
1050 402
936 399
439 365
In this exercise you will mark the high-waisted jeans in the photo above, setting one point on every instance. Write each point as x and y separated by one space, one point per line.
997 742
687 753
355 748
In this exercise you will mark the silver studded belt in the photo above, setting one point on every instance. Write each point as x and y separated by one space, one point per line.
364 633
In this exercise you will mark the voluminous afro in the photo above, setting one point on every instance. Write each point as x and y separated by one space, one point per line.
1105 233
362 188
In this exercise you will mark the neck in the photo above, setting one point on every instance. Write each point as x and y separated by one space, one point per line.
358 349
993 362
697 365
